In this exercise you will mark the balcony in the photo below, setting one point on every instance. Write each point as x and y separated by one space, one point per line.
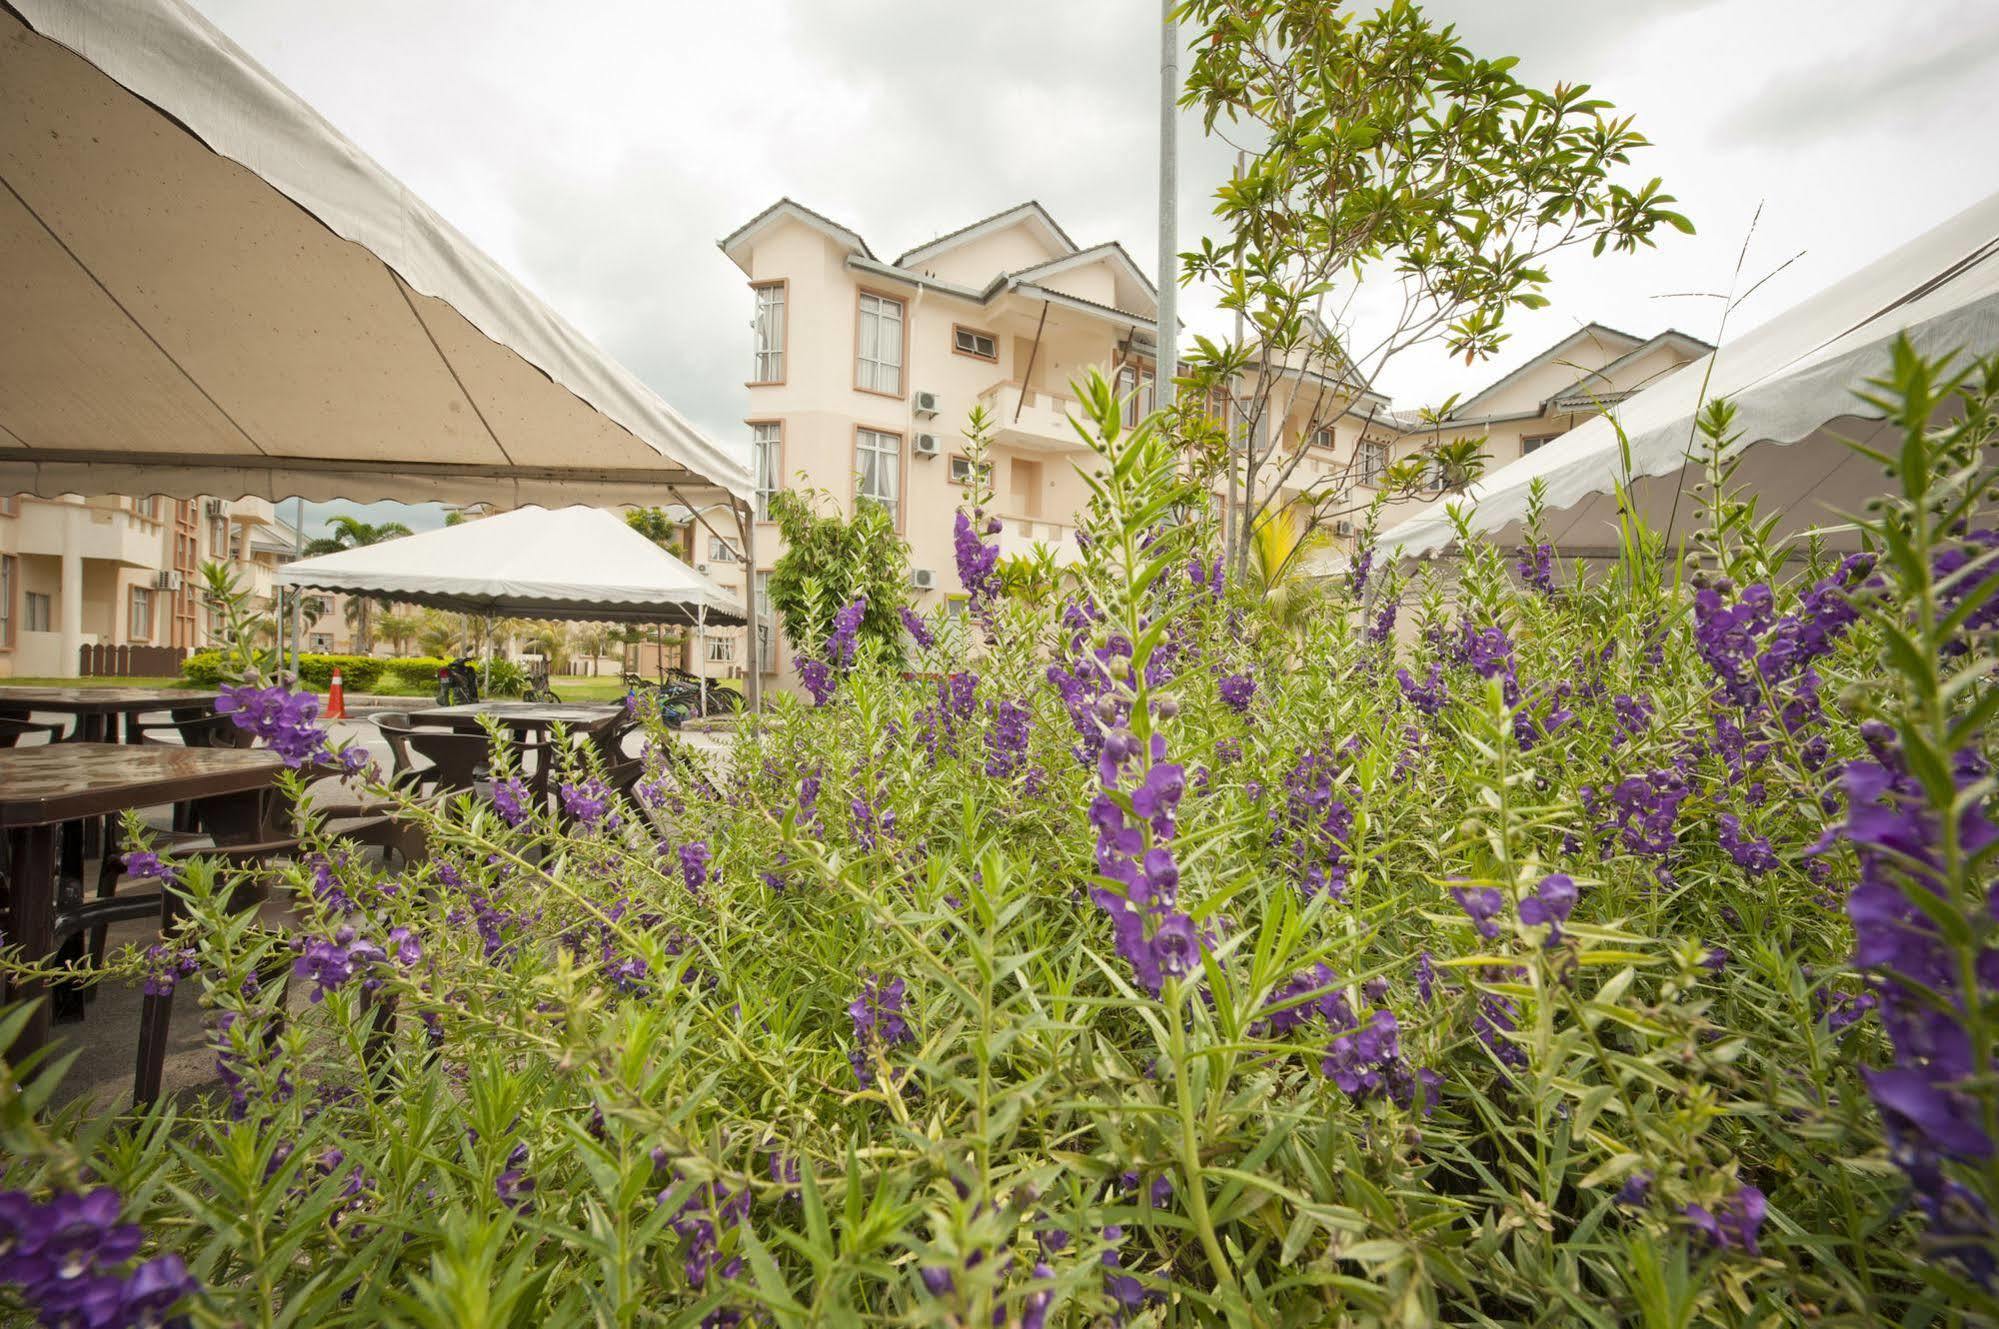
1031 419
1019 535
112 535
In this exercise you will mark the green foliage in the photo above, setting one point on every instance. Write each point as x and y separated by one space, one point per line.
625 1082
1385 148
828 561
655 525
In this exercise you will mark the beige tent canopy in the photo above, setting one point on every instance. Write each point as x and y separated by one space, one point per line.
206 289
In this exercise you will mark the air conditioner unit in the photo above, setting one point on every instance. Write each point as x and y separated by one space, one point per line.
923 579
1343 529
926 403
927 445
701 568
213 508
167 581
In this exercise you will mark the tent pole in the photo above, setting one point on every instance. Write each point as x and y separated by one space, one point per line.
701 653
298 592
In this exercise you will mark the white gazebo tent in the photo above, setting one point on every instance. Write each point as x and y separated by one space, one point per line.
1792 382
575 564
206 290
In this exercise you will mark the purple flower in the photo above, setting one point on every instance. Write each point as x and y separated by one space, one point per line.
879 1021
1482 904
590 803
1750 852
147 865
284 719
694 865
1735 1222
978 562
1536 566
1550 905
510 798
1635 1191
817 678
918 630
514 1187
1426 976
1431 696
1237 691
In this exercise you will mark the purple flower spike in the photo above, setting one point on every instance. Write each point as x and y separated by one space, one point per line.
1550 905
1735 1223
1482 905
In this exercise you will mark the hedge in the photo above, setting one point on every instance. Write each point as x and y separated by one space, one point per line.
359 673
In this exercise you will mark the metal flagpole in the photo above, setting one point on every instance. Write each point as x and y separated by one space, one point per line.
1168 366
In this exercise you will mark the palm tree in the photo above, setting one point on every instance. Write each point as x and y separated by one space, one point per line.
437 634
347 533
1279 548
400 630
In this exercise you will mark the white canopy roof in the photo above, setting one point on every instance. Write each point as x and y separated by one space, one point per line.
565 563
1792 382
208 290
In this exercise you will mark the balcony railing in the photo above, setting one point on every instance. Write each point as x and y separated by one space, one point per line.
1032 419
1019 535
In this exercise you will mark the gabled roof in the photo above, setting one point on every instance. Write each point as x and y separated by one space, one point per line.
733 244
1587 390
1113 252
1031 212
1588 332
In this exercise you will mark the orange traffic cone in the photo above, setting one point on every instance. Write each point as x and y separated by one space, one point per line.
336 699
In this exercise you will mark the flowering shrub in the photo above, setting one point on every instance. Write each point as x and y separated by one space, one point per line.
1605 953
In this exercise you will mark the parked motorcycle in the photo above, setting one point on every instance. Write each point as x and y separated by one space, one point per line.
457 685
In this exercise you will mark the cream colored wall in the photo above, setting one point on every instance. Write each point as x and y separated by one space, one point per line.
1095 282
977 262
1530 389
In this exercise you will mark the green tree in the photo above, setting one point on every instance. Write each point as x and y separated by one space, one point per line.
1380 149
1279 546
346 533
827 561
655 525
399 630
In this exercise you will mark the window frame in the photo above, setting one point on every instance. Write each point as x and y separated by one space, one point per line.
898 502
721 650
10 590
956 349
764 621
861 296
782 285
1367 452
47 618
141 595
1144 388
1532 443
720 550
760 495
951 472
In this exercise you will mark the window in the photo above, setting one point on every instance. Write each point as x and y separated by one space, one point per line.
9 573
767 455
878 468
720 550
141 623
1134 388
321 642
1372 462
147 507
39 613
879 345
766 637
1322 437
1536 443
962 470
9 505
769 333
721 650
972 342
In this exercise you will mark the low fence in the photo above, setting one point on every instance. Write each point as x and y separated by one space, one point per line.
129 661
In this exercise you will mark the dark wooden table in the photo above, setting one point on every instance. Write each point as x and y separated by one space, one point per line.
47 792
581 717
98 710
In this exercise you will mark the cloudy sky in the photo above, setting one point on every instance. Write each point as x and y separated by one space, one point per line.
600 149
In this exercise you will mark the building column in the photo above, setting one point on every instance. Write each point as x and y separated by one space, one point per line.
70 610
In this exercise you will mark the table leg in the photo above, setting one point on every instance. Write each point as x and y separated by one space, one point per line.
66 999
236 818
33 897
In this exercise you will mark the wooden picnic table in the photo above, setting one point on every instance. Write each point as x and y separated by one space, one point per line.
48 792
96 709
